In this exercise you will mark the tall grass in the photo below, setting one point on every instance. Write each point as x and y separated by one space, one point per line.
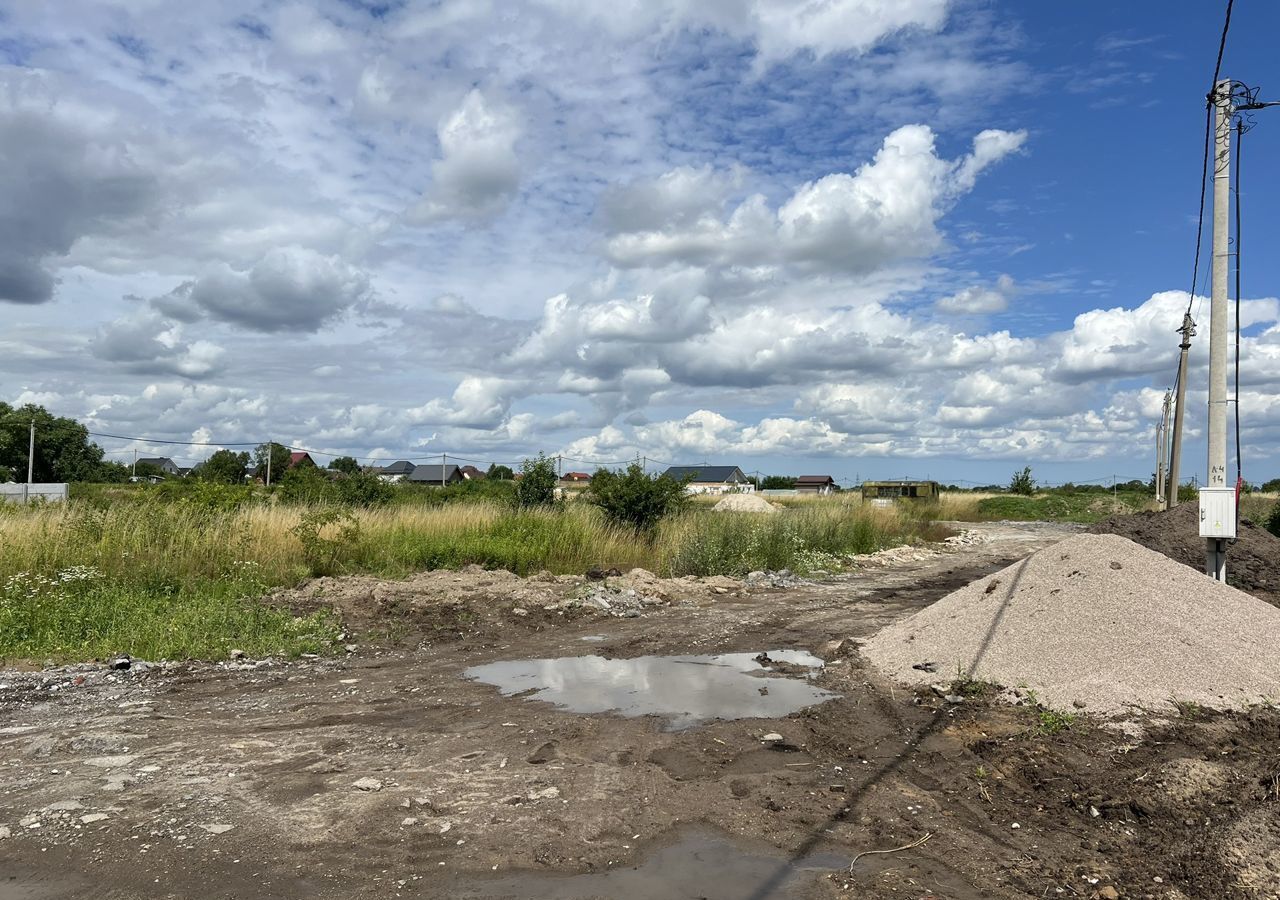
181 579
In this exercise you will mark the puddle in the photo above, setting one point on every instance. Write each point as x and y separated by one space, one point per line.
702 865
686 690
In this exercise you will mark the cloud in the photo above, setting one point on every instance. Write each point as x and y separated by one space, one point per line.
290 289
146 344
478 171
887 210
980 299
63 175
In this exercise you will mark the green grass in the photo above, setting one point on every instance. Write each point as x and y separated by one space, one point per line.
180 573
1083 507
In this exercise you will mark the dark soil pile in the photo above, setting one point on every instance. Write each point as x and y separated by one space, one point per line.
1253 561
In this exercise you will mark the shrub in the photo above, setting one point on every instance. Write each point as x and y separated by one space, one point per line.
537 485
1022 483
635 499
325 534
1273 520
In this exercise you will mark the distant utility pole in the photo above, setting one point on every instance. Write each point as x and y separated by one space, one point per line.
270 447
444 461
31 464
1188 331
1162 447
1215 531
134 473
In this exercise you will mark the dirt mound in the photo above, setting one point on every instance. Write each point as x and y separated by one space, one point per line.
1095 622
1253 561
745 503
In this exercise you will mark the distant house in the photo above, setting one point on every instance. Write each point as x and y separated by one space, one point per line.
471 473
712 479
397 471
435 474
298 458
163 463
575 478
816 484
881 493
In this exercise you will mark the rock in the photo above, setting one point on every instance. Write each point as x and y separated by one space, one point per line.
64 806
351 648
217 829
110 762
5 832
953 698
406 822
519 611
544 753
237 654
93 817
1079 704
368 784
120 663
550 793
1107 893
926 666
771 738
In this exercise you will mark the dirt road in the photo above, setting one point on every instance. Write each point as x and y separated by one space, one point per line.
392 773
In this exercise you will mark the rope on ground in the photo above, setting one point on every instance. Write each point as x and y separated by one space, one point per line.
910 846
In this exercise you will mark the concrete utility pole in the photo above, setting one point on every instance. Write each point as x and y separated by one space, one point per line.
1188 331
1215 560
444 461
270 447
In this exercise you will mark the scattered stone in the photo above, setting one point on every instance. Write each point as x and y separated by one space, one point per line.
368 784
64 806
550 793
544 753
408 821
5 832
519 611
217 829
237 654
351 648
771 738
1107 893
930 667
110 762
90 818
120 663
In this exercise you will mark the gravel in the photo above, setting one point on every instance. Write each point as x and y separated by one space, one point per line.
1099 623
745 503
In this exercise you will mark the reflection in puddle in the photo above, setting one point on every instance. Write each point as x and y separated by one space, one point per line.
701 865
686 690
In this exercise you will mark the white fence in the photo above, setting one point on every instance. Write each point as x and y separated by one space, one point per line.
31 493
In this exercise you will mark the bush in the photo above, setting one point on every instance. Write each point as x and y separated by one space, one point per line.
1273 520
635 499
1022 483
537 485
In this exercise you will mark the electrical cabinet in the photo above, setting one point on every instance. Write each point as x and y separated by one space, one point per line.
1218 512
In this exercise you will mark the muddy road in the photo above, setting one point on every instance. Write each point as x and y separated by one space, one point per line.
450 755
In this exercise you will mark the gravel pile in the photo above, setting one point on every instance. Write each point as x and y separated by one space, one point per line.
1253 561
745 503
1099 623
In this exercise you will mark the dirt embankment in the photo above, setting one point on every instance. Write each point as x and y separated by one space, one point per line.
1253 560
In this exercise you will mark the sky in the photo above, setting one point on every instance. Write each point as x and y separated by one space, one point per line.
865 238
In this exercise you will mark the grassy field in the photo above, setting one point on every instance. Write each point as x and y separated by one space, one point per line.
159 578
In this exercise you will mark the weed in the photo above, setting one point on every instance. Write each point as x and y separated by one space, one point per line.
1187 709
1052 721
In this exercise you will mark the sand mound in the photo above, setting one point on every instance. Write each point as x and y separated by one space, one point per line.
1098 620
745 503
1253 561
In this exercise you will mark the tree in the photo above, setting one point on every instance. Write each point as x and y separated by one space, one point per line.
1271 487
63 449
279 455
1023 483
345 464
224 467
635 499
537 485
500 473
149 470
778 483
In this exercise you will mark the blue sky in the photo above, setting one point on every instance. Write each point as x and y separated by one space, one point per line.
863 237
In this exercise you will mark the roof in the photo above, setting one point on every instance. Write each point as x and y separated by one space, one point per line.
903 481
432 474
815 479
706 474
399 467
298 456
155 461
575 476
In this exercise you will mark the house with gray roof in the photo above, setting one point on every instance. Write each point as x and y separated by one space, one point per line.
711 479
397 471
435 473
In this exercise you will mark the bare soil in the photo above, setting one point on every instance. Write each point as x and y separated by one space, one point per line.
388 774
1253 559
